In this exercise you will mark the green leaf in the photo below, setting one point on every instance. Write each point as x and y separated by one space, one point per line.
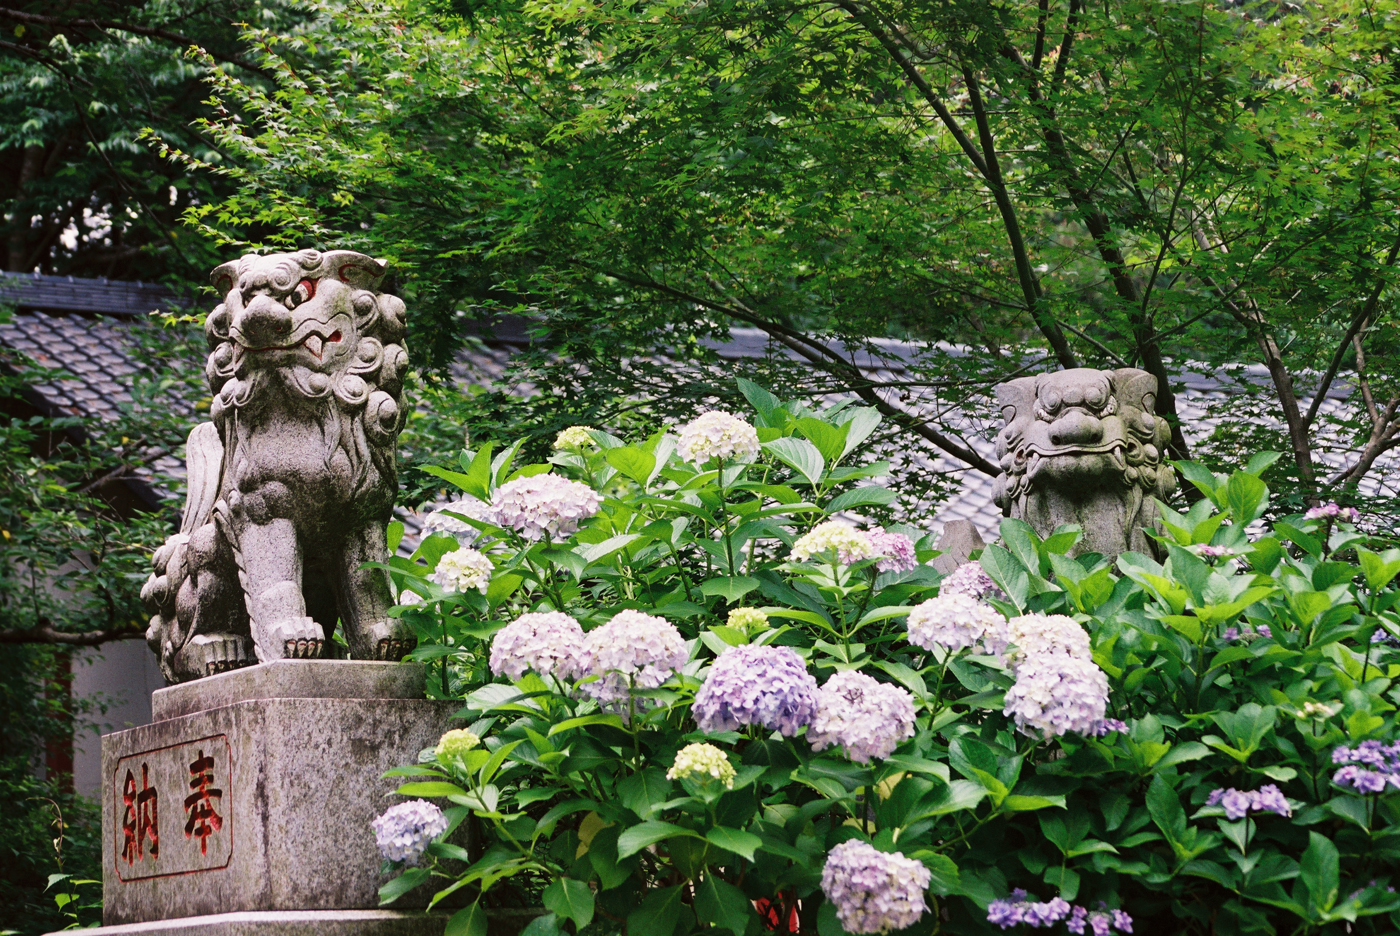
397 887
647 833
632 462
430 789
763 402
570 899
597 718
861 496
1245 495
1009 574
1165 808
469 921
1321 872
393 534
730 588
659 912
829 440
800 455
735 840
722 904
643 790
546 924
592 552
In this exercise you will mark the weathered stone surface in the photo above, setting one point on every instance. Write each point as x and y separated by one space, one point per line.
293 679
958 541
1083 446
262 804
291 483
288 923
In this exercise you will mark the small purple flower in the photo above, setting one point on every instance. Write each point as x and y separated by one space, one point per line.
1106 725
1385 638
1330 511
1212 552
1122 922
896 548
1238 803
1383 761
756 685
1075 924
1265 632
1361 780
1019 908
1230 633
1268 798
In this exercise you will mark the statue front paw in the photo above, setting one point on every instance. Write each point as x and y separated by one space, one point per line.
394 649
211 654
299 638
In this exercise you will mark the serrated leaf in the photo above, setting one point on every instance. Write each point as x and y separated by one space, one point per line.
571 899
800 455
730 588
735 840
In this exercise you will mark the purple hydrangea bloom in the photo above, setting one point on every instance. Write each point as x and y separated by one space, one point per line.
874 891
968 579
1075 924
1386 638
896 548
1056 693
543 506
632 651
865 717
1330 511
1122 922
1105 725
1230 633
1265 632
1019 908
757 685
404 831
1238 803
549 642
1371 766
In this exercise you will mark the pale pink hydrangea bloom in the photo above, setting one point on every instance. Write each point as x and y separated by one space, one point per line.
866 718
549 642
953 621
1036 634
632 651
544 506
896 550
717 434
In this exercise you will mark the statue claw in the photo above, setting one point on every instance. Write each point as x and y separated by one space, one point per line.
303 649
393 650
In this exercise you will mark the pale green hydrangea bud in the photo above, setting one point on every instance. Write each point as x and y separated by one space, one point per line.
748 619
456 743
702 762
574 438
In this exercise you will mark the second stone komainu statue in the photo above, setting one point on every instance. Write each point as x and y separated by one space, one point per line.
1083 446
292 482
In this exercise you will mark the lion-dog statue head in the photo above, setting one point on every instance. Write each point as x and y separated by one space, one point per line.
1083 446
293 480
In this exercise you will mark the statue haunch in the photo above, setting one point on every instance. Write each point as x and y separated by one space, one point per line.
292 482
1083 446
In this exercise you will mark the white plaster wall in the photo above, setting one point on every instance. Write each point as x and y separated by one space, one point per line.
121 674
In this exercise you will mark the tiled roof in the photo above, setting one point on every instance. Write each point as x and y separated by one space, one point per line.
56 325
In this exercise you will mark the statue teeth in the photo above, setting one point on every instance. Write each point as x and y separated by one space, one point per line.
314 344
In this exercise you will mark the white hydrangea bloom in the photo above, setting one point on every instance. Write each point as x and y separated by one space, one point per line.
874 891
543 506
439 522
867 718
632 651
549 642
850 544
574 438
702 762
1036 634
462 570
410 598
1055 693
717 434
954 621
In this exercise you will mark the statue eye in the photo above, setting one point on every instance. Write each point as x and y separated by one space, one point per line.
305 290
1052 400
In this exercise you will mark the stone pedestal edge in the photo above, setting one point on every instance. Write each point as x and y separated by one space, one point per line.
288 923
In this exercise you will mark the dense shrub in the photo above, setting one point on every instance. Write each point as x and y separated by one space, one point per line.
699 698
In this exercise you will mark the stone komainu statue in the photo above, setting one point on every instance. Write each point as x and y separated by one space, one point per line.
292 481
1083 446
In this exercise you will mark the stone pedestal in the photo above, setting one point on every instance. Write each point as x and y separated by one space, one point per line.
253 791
288 923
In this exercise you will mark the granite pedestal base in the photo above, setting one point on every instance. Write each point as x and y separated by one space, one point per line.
254 791
288 923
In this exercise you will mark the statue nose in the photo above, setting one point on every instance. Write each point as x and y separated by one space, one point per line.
1076 427
265 322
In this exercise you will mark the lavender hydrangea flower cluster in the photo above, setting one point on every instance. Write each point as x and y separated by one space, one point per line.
462 570
955 621
544 506
717 434
865 717
1207 551
404 831
757 685
1106 725
1019 908
1056 693
1332 511
1238 803
549 642
1370 766
896 549
968 579
1385 638
632 651
1248 633
849 544
874 891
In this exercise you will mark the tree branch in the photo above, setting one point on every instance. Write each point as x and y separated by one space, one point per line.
45 633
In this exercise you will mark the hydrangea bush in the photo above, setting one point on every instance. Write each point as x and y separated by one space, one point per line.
706 689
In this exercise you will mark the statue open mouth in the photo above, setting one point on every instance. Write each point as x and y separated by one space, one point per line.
313 342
